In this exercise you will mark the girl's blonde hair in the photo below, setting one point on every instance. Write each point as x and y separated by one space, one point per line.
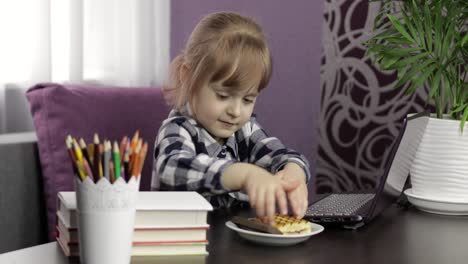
218 50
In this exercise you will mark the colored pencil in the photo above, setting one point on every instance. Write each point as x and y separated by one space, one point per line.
81 170
107 155
123 146
101 155
111 172
72 156
91 152
79 154
89 173
109 159
84 150
122 173
143 152
126 164
133 146
135 157
116 160
97 157
140 160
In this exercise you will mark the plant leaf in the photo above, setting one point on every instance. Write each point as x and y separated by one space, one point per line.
408 61
400 52
408 23
388 61
428 24
459 108
421 79
385 34
398 40
463 120
437 27
397 24
464 40
447 41
447 92
435 85
411 73
418 20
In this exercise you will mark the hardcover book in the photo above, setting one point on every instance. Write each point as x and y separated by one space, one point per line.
153 209
145 234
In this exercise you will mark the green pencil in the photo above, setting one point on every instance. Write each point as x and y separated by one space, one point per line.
116 160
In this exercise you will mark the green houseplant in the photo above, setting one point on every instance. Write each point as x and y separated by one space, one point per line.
425 41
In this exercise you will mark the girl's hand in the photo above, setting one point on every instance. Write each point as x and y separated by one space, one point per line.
265 191
298 197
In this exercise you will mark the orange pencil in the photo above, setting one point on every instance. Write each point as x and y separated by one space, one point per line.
134 157
135 139
140 161
134 145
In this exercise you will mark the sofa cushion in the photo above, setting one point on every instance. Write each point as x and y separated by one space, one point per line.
81 111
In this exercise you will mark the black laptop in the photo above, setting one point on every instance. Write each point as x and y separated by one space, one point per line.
353 210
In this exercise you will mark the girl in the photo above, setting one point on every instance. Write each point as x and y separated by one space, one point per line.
211 142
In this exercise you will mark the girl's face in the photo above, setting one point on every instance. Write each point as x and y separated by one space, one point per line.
223 110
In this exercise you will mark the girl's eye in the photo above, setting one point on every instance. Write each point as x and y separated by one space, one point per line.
222 96
248 101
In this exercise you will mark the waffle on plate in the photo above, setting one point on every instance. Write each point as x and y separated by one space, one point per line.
290 225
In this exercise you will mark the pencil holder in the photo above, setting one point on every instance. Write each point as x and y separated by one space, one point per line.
106 217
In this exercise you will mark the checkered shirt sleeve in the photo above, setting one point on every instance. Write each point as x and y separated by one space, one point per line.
178 166
267 152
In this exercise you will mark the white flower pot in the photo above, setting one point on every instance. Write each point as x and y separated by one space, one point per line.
440 168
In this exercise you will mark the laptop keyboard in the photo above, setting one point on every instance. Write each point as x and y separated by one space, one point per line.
339 204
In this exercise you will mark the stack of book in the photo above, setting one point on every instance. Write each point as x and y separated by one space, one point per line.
166 223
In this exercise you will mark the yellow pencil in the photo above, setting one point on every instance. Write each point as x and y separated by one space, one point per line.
79 154
81 170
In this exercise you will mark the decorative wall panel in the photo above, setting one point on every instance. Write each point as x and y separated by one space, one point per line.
361 113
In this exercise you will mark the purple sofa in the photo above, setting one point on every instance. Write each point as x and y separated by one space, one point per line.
81 111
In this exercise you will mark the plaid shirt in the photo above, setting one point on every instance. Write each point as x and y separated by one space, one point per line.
188 158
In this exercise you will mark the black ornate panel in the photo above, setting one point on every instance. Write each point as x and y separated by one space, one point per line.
361 112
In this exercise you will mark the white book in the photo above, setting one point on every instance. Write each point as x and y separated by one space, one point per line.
153 209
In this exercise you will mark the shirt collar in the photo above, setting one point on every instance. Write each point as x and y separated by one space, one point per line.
213 147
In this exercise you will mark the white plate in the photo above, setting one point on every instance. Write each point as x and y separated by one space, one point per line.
274 239
437 206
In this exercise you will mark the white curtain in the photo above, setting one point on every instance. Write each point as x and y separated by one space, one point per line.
109 42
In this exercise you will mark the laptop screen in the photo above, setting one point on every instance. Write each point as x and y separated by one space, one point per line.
400 160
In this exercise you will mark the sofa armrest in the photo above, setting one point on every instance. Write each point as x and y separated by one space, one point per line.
22 207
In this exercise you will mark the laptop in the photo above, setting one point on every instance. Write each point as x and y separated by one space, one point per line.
353 210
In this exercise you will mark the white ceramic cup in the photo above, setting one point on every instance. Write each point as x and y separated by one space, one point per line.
106 217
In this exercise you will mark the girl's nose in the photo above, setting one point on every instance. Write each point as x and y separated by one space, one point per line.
235 108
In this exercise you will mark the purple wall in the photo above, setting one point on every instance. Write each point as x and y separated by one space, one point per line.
290 105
